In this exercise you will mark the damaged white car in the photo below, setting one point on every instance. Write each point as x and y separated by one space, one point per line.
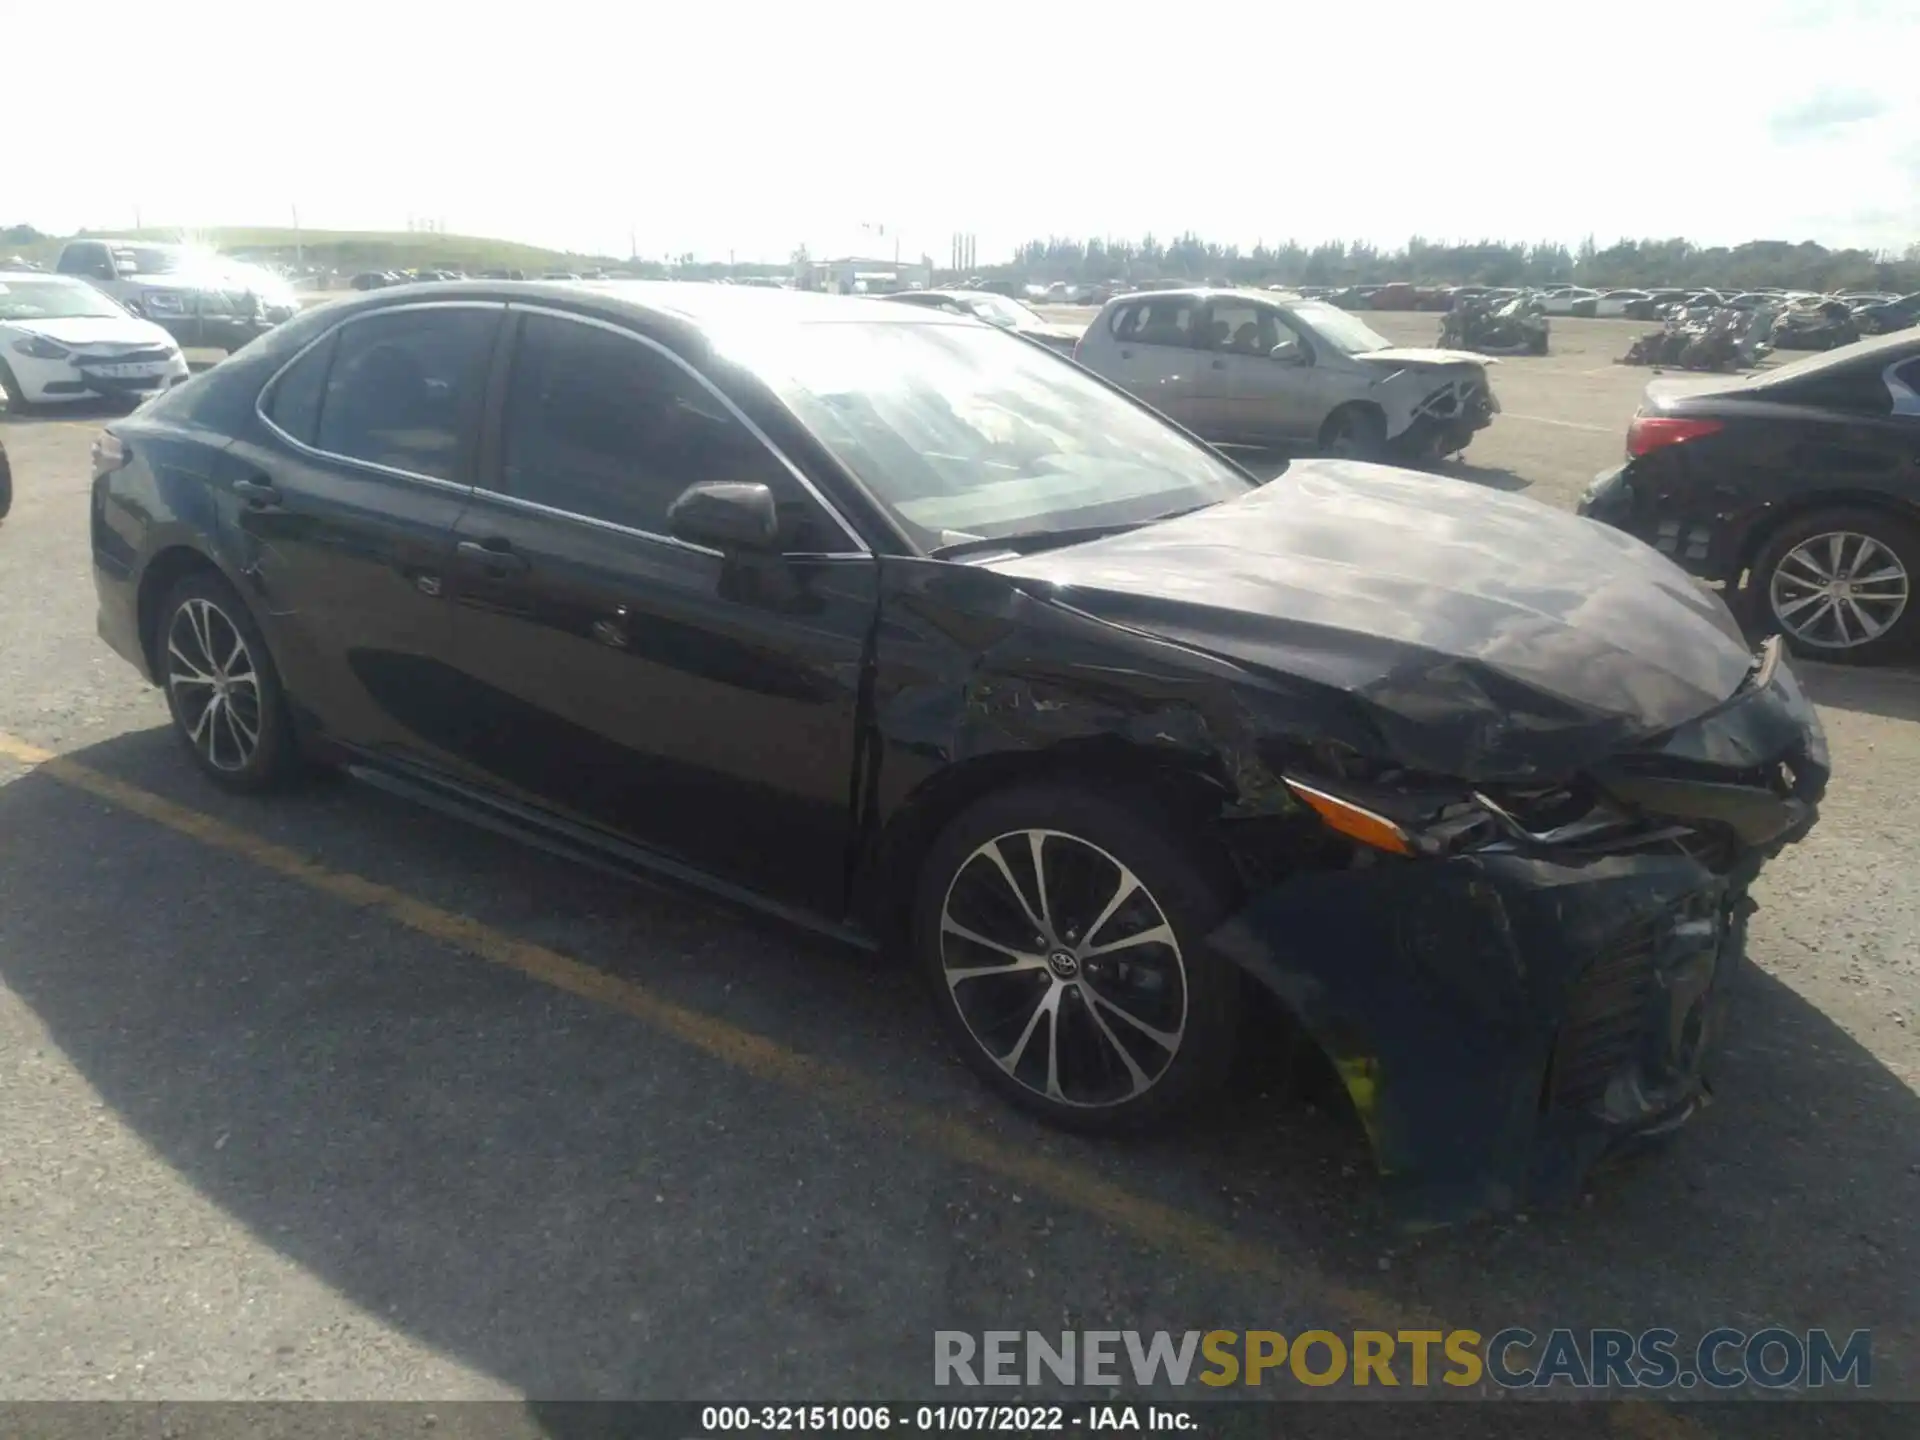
1247 368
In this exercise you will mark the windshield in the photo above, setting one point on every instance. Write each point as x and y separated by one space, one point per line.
965 434
52 299
1337 327
999 310
151 259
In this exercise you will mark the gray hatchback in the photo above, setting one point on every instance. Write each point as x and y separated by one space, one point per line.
1254 369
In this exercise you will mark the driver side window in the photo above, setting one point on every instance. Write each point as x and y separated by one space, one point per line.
1238 327
602 425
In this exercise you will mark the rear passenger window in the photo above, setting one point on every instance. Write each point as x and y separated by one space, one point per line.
404 386
602 425
1167 321
1909 376
293 405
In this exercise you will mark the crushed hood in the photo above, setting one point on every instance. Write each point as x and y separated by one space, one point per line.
1422 355
1482 635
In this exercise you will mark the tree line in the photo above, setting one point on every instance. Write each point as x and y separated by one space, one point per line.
1629 263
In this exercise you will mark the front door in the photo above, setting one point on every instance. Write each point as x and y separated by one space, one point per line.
341 507
702 706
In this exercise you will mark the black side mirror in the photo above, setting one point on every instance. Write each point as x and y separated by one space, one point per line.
725 515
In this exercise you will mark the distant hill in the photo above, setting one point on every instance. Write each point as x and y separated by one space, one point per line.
351 250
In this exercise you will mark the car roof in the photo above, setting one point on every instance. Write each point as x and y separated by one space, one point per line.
41 275
1203 292
688 302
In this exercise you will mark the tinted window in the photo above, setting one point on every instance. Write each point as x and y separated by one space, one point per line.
602 425
403 386
1856 389
85 260
1909 375
1165 321
294 402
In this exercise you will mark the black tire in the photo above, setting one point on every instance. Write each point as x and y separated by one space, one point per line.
200 622
1354 432
1894 536
6 484
1091 840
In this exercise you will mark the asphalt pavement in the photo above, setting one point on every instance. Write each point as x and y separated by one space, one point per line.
325 1096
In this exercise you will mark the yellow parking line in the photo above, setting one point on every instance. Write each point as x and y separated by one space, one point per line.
1162 1226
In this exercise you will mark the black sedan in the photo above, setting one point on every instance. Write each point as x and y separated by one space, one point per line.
884 621
1798 488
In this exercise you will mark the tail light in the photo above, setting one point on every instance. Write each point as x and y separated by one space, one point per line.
109 454
1653 432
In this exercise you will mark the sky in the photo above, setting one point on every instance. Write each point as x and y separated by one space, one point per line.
749 129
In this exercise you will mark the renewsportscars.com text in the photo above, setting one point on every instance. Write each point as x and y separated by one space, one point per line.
1514 1358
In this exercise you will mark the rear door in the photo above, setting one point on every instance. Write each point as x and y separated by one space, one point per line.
1148 350
343 503
702 706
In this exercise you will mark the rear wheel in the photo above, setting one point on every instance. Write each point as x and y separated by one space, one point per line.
1839 585
222 688
1063 934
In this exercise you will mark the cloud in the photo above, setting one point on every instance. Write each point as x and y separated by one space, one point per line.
1823 112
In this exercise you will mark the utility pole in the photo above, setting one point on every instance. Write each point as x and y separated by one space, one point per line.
299 254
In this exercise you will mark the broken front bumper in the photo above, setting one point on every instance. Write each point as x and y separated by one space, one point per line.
1503 1019
1446 420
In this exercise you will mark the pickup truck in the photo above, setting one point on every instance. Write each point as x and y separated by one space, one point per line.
206 301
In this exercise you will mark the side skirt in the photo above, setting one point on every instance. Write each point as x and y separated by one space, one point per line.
585 846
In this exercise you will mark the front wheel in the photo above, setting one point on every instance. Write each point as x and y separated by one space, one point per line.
1838 584
1354 432
1063 935
223 691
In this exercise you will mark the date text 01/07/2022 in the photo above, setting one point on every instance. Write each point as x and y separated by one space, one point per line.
716 1420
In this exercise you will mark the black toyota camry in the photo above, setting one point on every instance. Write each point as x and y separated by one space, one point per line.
890 623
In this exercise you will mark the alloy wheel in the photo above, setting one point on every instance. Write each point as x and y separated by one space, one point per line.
1063 968
214 685
1838 590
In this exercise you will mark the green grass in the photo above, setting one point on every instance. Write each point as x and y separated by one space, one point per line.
355 250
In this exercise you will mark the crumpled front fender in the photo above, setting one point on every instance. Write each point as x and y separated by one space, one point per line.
1439 990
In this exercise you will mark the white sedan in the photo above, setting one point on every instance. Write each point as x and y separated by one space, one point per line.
62 340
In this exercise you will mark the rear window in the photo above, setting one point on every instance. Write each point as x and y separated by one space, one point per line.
1167 320
293 405
405 385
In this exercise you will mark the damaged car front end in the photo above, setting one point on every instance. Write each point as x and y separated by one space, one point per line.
1500 782
1434 409
1514 982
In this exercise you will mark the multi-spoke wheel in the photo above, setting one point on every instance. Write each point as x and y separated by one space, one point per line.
1839 585
1063 933
221 686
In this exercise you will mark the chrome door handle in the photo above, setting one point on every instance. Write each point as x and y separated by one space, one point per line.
495 559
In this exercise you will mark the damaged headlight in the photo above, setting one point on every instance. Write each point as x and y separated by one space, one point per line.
1402 813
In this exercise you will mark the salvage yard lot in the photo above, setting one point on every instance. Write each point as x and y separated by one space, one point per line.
329 1097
